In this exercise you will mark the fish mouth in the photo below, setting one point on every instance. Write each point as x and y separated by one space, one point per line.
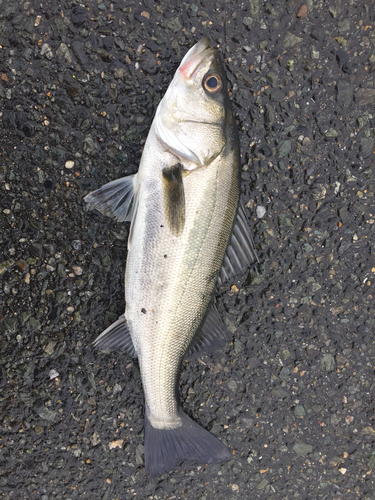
192 60
213 124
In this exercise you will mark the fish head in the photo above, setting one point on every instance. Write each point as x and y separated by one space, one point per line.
194 120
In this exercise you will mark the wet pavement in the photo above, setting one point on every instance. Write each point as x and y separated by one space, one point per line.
292 394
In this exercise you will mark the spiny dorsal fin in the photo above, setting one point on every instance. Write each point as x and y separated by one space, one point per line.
116 338
241 253
114 199
174 198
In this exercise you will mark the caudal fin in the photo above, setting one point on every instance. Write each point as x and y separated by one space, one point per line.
165 449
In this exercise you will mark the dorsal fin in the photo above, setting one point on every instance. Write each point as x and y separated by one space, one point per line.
241 253
212 334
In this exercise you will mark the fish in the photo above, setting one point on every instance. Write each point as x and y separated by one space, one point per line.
188 234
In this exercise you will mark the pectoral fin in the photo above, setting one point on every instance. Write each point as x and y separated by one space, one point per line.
174 198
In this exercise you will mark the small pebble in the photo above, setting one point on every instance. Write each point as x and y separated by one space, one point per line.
95 439
260 211
116 444
53 374
302 11
77 270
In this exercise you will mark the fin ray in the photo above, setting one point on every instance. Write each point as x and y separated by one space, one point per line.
114 199
212 334
116 337
241 252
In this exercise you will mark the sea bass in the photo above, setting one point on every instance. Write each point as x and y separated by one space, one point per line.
188 233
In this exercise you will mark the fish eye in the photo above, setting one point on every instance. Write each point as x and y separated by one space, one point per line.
213 83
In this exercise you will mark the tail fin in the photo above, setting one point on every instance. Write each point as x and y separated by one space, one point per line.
165 449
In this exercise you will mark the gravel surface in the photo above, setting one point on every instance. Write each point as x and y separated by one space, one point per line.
292 394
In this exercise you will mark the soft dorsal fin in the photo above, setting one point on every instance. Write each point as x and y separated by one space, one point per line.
241 253
114 199
116 338
213 333
174 198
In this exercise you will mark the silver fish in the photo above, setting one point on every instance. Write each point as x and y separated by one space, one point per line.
188 232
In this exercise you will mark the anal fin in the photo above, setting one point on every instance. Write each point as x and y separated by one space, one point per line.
116 338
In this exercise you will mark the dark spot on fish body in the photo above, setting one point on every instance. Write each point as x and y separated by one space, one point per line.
143 310
165 256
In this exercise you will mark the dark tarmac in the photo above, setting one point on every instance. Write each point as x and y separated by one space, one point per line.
292 395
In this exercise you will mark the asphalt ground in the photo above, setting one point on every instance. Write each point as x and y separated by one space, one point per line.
292 393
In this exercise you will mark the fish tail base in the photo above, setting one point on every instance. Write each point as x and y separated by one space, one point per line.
166 448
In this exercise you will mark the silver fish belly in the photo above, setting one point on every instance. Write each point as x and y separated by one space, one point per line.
188 232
